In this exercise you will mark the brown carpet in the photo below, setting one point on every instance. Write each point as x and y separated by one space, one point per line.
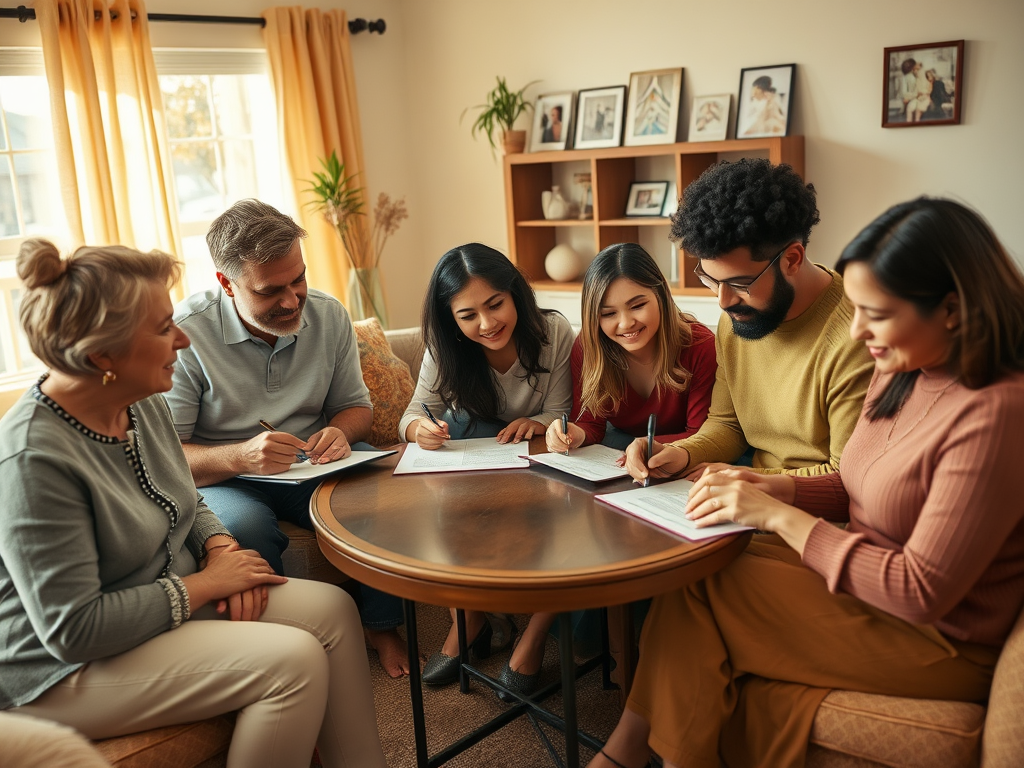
450 714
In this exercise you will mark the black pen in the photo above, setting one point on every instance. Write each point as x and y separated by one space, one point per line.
300 456
430 416
652 422
565 431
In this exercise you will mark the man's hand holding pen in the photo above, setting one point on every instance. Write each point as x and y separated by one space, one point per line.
272 451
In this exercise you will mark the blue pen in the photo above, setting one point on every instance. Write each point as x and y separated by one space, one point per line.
565 431
652 422
299 457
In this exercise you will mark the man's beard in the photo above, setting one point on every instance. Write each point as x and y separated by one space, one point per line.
752 324
271 322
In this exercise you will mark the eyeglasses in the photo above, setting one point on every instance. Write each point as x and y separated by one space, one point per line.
742 288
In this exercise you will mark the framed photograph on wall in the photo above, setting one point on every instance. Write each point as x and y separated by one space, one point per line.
599 117
765 101
552 121
655 99
922 84
709 117
646 198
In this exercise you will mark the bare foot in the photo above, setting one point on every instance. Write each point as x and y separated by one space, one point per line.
391 650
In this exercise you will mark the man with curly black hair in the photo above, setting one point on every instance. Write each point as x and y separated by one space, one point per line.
790 381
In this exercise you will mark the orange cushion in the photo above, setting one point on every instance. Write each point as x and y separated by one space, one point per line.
175 746
388 379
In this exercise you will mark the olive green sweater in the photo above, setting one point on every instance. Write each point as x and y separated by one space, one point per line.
794 396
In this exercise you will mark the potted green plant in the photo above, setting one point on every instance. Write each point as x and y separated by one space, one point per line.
499 114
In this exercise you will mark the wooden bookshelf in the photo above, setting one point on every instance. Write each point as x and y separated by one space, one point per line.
612 171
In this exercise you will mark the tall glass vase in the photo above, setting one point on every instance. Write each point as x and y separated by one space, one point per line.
365 295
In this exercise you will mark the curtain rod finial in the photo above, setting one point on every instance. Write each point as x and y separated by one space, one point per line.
355 26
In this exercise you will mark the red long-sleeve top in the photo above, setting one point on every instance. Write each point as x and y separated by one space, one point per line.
679 414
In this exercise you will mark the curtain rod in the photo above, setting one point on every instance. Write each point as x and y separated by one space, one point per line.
355 26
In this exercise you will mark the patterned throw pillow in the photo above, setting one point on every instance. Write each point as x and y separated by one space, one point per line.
388 379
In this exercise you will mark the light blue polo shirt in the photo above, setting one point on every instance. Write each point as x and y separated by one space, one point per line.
229 379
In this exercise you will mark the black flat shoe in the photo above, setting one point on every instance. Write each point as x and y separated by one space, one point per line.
522 684
442 669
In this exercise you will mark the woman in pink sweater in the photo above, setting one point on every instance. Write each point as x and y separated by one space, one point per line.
917 594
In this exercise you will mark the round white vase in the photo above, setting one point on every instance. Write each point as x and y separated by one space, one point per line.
562 263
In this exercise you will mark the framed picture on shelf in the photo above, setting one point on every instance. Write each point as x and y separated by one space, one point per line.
671 200
552 121
922 84
599 117
646 198
765 101
655 99
709 117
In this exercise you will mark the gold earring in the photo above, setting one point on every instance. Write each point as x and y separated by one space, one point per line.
109 376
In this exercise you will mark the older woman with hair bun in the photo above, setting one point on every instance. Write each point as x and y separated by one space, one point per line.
124 603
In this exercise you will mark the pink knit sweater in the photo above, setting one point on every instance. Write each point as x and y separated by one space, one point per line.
935 507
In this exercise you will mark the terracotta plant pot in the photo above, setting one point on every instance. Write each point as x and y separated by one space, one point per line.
513 142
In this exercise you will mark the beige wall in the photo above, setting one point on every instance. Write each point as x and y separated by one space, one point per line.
440 56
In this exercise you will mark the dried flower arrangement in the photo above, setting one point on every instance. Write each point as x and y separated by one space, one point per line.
340 202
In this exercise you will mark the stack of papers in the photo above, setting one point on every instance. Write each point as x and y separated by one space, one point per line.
665 506
462 456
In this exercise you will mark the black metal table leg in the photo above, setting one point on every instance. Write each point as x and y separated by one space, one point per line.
606 653
572 747
419 725
460 623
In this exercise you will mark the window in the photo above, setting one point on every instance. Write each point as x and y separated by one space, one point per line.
30 200
222 126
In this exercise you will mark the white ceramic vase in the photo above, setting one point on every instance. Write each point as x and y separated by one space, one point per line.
562 263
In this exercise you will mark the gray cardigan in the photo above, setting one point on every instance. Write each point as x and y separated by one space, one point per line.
94 535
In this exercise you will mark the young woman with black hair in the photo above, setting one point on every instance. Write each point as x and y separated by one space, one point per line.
495 365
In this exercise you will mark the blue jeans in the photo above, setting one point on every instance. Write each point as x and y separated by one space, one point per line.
250 510
459 428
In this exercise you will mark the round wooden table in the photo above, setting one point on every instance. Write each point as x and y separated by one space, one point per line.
517 541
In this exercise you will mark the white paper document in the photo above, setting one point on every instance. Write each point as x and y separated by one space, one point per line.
594 462
462 456
664 506
301 472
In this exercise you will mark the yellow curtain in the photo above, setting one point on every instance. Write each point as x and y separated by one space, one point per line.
109 131
311 62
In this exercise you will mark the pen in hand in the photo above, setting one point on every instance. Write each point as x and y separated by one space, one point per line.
299 457
436 423
652 422
565 431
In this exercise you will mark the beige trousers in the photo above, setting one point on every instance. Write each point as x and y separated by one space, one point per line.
298 677
736 665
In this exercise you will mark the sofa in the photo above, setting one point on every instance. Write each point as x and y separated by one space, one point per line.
391 362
